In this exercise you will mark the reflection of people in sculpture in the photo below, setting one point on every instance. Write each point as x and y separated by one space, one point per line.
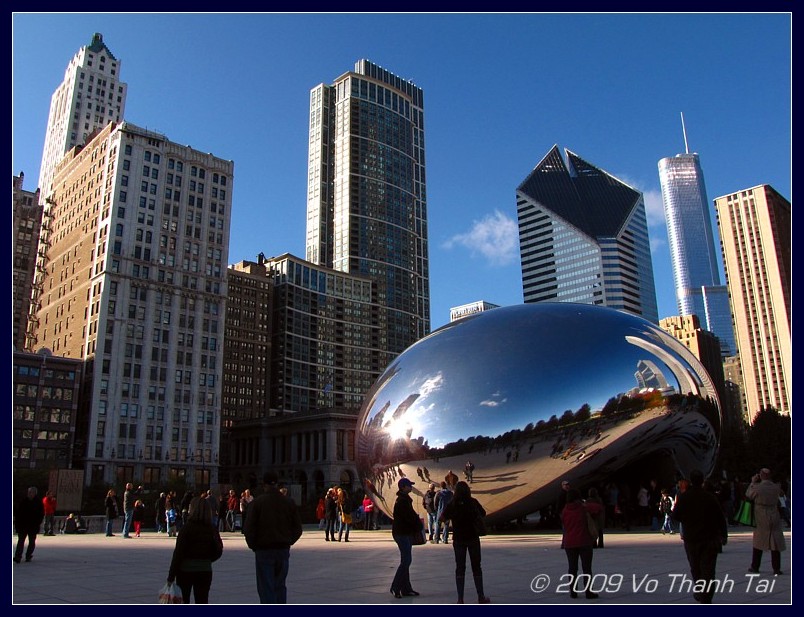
451 479
426 473
468 470
419 473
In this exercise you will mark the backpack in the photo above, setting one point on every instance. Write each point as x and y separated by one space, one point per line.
444 497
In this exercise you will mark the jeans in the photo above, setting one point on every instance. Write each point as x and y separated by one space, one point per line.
667 526
432 525
230 519
401 580
127 523
369 521
442 534
48 525
272 571
344 527
329 530
109 523
197 582
460 549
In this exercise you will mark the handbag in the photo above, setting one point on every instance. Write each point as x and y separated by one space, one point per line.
417 538
591 525
170 594
745 514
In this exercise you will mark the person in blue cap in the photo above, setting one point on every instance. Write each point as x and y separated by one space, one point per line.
406 523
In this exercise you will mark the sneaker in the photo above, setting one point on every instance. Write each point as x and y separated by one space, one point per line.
753 570
777 573
484 600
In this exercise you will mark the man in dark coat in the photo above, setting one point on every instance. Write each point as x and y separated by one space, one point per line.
705 532
27 519
272 526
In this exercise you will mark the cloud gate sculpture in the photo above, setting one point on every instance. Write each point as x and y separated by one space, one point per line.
533 394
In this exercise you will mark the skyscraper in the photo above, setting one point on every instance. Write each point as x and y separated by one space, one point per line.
366 194
692 247
583 237
131 279
27 221
755 233
90 96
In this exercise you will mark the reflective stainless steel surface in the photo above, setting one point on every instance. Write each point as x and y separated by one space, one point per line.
532 394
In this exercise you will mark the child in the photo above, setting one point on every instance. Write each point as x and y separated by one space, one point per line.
139 516
170 515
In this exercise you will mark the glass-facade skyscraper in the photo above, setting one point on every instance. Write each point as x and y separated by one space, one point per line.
366 194
692 247
583 237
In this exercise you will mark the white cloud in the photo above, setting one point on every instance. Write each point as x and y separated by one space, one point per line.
654 206
495 237
493 403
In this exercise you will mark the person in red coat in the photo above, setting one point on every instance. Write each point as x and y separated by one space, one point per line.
578 540
49 505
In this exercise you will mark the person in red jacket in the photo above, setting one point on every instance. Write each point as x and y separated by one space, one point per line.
578 540
368 510
49 505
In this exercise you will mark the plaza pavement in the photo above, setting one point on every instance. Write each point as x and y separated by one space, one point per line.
640 567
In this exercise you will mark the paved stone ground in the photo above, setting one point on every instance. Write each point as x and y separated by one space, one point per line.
640 567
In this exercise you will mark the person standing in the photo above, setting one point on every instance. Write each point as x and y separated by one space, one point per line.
27 519
49 505
272 526
198 545
406 523
463 511
705 532
368 510
443 498
330 514
245 502
111 511
161 525
345 514
768 535
432 514
128 507
139 517
577 541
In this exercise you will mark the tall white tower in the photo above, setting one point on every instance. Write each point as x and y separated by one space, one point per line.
90 97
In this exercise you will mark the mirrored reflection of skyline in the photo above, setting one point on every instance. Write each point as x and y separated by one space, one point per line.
483 387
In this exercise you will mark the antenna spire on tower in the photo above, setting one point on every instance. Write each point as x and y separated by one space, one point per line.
684 129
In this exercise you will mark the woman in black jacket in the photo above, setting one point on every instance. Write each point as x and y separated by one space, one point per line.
198 545
111 510
406 523
464 510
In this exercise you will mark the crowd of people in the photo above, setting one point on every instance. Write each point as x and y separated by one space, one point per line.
700 513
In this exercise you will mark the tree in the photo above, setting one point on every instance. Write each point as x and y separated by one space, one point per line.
769 442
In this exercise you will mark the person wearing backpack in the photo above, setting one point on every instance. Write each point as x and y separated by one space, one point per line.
443 498
666 509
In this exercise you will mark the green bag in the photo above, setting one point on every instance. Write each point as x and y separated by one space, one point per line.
745 514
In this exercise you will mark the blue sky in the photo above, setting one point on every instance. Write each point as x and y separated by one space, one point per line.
500 90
